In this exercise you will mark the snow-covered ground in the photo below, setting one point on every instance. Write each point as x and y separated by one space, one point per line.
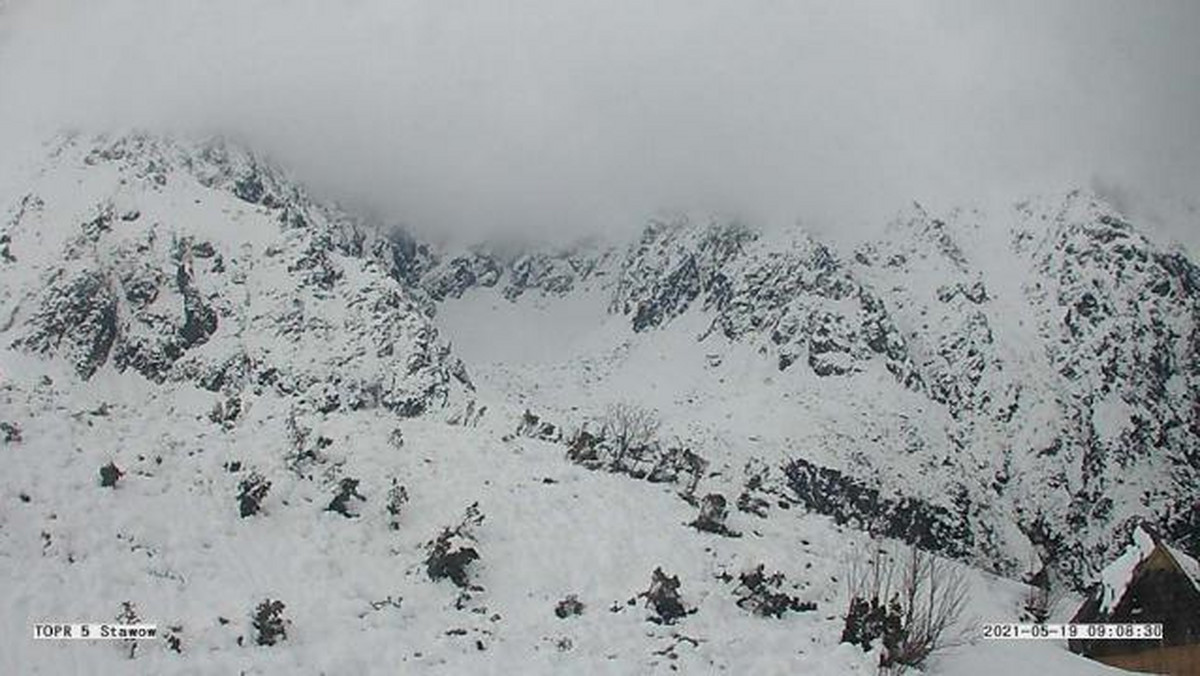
169 539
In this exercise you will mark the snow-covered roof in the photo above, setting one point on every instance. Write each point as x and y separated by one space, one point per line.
1115 577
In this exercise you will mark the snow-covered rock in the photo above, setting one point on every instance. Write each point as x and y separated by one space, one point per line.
199 262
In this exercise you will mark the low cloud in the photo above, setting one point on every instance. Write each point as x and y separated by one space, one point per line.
570 117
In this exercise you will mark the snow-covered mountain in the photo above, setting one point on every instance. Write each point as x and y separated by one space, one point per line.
1010 390
1009 387
200 263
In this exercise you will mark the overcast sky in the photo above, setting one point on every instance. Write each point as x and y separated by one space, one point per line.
575 116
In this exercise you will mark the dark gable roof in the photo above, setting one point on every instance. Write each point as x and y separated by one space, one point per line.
1117 576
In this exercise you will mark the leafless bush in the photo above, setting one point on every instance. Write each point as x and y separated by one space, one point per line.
914 605
630 426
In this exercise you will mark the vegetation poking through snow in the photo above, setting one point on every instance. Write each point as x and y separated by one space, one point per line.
174 639
10 432
251 493
713 512
270 626
568 607
396 438
664 599
763 594
397 497
347 500
128 615
451 553
913 607
110 474
630 427
534 427
626 444
752 499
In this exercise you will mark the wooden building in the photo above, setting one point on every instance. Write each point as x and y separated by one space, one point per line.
1150 582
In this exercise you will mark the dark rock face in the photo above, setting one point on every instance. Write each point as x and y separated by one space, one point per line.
850 501
77 318
801 301
516 271
671 266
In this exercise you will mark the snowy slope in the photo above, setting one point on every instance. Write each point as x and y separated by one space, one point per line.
184 311
169 539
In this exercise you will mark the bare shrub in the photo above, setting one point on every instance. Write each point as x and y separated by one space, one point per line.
914 606
396 438
534 427
173 638
629 426
624 441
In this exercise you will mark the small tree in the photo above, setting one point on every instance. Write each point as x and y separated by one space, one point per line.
269 623
629 426
396 499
